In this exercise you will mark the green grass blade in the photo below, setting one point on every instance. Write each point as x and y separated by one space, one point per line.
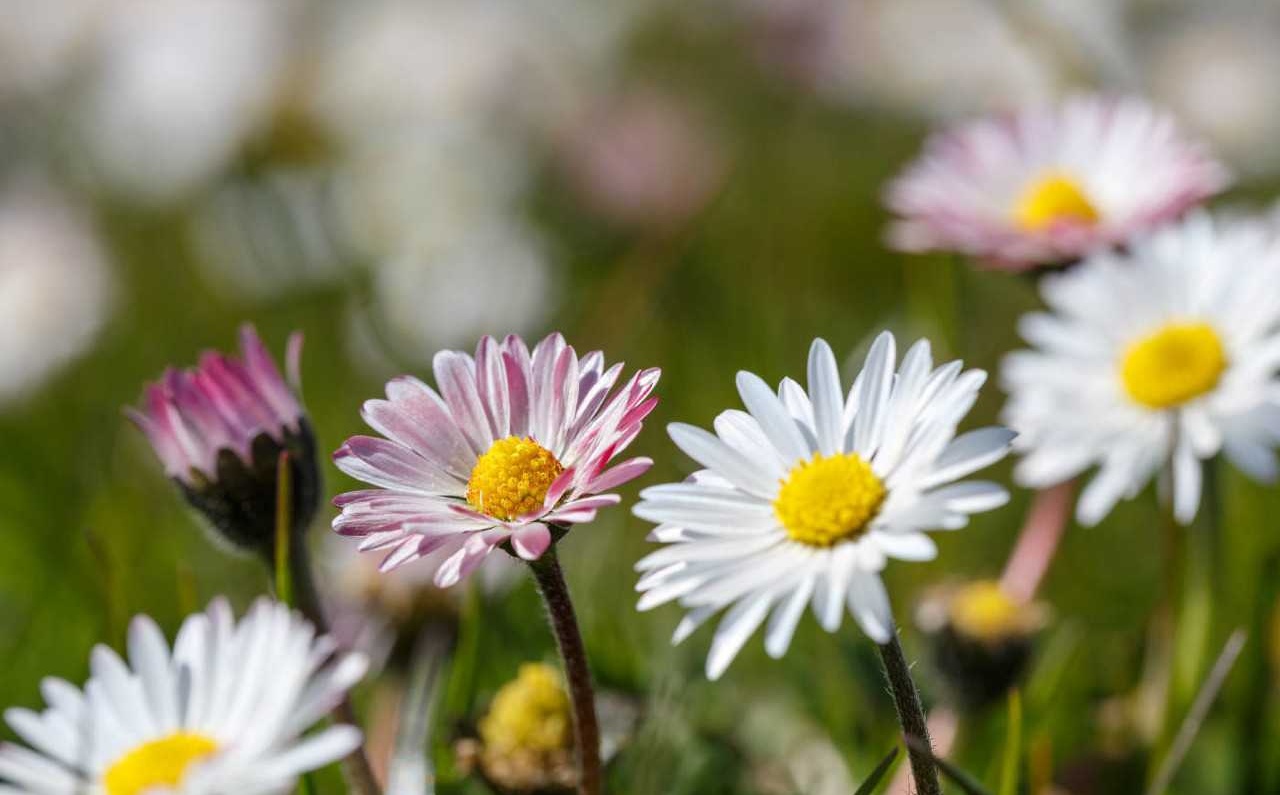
967 783
872 783
1012 746
284 523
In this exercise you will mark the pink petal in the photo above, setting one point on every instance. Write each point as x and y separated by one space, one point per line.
531 541
622 473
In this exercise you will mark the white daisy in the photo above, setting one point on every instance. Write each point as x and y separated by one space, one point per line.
1161 356
223 712
806 495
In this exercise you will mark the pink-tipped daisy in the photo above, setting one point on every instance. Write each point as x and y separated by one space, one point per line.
513 444
219 429
806 495
1049 185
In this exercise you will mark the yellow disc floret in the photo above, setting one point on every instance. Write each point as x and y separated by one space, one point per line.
828 499
159 763
512 478
529 714
983 611
1179 362
1050 199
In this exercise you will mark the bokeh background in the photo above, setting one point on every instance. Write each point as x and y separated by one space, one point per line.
694 186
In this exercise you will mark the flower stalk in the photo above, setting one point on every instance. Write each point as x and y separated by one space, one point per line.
295 585
573 654
911 717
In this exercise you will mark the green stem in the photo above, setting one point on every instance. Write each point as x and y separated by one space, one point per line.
911 717
573 653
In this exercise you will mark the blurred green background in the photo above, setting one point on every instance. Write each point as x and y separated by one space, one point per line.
696 189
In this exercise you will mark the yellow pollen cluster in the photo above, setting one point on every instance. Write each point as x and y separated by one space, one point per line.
1177 363
512 478
828 499
528 714
983 611
1052 198
159 763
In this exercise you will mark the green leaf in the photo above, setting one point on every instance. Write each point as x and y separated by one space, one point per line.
871 784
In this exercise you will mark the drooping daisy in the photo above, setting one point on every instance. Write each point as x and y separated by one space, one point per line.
1050 184
806 495
513 443
223 712
218 429
1162 356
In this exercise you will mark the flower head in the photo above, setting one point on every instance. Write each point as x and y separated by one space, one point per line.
1052 184
525 741
982 638
513 444
223 711
1163 355
219 430
806 495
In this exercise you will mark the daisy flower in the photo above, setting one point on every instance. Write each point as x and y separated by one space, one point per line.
512 444
219 429
223 711
1161 356
1051 184
806 495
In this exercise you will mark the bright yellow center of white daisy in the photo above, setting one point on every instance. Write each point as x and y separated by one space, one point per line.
159 763
512 478
529 713
1179 362
983 611
1051 198
828 499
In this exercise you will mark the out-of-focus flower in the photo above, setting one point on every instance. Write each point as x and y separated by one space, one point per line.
1050 184
643 159
219 431
526 738
382 614
518 443
807 494
1217 73
55 286
44 50
1166 354
936 58
224 711
451 291
177 86
274 235
982 639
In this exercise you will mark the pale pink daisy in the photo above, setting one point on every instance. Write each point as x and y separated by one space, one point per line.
1049 185
512 445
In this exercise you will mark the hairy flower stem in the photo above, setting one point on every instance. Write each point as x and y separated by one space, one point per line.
906 699
291 574
555 595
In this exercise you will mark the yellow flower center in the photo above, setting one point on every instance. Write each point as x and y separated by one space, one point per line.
159 763
983 611
1052 198
529 713
512 478
828 499
1177 363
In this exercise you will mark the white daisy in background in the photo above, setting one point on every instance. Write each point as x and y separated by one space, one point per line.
56 285
1159 357
223 712
1050 184
806 495
513 444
